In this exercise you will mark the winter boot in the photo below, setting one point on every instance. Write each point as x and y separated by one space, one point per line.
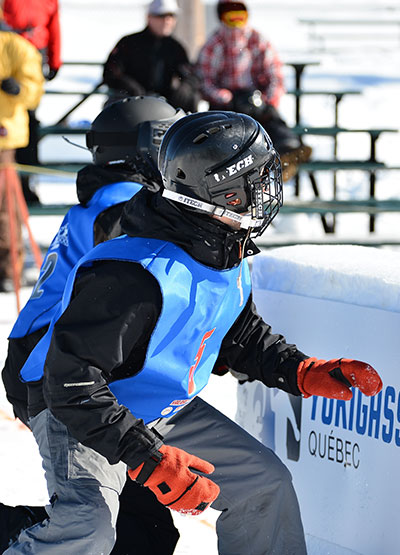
15 519
291 160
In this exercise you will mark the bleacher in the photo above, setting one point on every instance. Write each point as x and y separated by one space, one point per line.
312 169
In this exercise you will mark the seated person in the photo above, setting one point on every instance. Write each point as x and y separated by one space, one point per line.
152 62
240 71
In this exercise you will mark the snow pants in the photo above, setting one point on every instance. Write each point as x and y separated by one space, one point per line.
259 509
84 491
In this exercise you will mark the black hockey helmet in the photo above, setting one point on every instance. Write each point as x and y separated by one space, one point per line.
222 163
129 132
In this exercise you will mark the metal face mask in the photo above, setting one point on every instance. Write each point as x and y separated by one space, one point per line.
266 196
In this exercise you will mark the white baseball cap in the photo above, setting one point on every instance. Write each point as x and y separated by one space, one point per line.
161 7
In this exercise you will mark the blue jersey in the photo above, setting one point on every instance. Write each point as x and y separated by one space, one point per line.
199 306
74 239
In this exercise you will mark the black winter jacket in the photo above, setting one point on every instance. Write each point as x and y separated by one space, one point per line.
143 63
89 180
104 333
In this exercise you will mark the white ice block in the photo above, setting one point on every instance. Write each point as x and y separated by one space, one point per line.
335 301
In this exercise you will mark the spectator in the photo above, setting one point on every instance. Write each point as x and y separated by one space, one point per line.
145 319
38 22
152 62
21 88
240 70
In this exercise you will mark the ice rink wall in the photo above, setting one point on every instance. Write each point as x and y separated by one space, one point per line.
335 301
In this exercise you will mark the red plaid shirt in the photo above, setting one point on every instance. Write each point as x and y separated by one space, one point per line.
236 59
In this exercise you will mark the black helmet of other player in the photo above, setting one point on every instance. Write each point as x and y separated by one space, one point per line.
222 163
129 133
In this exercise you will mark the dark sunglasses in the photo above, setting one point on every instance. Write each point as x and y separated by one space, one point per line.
164 15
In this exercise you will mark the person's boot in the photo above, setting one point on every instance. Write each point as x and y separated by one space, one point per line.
29 194
291 159
15 519
291 150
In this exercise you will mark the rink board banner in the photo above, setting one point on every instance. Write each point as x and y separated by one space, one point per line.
343 456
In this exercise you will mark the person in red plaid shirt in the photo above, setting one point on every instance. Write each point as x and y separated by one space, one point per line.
241 71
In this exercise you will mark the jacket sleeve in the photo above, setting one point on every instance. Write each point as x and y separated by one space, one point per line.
94 340
252 350
28 72
54 44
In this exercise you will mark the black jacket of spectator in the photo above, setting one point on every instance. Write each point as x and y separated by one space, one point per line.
143 63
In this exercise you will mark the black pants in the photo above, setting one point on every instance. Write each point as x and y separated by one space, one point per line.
29 155
259 510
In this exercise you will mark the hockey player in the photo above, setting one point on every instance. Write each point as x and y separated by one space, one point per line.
124 141
144 320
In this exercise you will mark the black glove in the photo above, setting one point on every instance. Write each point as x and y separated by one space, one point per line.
252 103
51 74
10 86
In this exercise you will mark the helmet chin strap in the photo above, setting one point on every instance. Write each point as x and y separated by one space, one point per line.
245 221
241 256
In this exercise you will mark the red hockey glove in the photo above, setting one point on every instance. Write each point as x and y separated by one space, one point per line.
174 483
334 378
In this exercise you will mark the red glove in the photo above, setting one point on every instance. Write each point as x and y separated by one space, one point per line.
175 485
334 378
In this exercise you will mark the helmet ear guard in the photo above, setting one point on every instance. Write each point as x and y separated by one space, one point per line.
223 164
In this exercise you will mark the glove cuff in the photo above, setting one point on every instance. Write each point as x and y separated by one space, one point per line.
143 472
302 370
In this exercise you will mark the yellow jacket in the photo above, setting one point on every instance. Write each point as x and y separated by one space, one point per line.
21 60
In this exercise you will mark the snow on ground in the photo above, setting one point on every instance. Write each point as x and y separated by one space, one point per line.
90 29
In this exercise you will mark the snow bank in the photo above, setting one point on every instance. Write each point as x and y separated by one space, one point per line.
363 276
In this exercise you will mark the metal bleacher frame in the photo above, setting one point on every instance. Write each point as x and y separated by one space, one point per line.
372 206
322 30
370 165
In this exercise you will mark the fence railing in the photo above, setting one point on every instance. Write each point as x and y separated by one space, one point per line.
312 168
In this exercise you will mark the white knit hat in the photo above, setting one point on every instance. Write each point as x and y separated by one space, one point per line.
161 7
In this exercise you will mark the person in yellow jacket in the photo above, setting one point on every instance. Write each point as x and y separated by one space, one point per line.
21 88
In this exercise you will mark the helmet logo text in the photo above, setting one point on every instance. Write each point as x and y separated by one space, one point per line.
190 201
235 168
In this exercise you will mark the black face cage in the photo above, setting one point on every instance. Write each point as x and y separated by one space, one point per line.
150 135
266 195
145 167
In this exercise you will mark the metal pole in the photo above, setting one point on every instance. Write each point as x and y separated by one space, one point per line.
190 29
